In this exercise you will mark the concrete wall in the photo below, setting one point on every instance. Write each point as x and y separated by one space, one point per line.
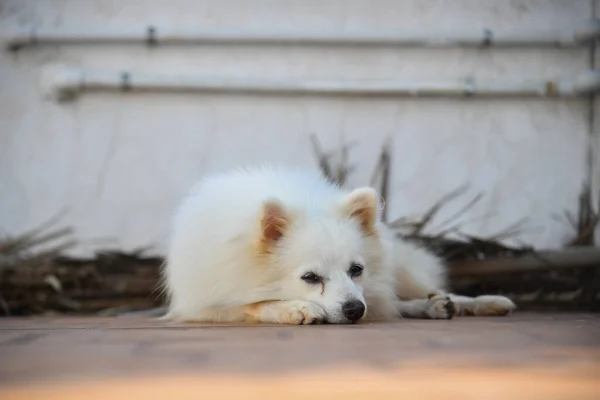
119 162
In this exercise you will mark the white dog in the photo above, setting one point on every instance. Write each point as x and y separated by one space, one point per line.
278 245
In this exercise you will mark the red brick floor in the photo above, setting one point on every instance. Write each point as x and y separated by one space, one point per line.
529 356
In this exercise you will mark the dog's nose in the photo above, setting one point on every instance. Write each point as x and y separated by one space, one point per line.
353 310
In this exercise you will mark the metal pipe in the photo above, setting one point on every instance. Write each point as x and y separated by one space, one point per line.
588 32
65 83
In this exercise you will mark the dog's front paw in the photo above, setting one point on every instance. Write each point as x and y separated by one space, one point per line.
441 307
302 313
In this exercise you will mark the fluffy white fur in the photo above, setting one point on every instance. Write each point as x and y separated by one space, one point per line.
244 244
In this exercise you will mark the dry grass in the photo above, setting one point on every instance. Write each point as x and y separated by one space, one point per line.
450 243
36 277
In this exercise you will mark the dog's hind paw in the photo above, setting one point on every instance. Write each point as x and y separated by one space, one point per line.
441 307
492 305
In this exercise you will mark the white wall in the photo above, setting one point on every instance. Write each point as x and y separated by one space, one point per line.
119 162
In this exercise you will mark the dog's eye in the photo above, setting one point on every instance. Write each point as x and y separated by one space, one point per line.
355 270
312 278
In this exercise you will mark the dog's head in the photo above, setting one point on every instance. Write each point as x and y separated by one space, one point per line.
325 255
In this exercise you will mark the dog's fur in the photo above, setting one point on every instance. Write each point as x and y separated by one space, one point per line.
243 243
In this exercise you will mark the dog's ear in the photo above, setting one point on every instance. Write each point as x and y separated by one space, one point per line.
273 223
362 204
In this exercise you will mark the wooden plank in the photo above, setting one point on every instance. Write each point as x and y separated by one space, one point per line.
347 384
545 356
577 257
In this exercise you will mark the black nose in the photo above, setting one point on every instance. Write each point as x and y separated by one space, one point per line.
353 310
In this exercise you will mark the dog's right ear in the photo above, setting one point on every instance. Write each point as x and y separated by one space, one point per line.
273 223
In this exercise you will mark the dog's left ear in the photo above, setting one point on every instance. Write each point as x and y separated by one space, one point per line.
363 205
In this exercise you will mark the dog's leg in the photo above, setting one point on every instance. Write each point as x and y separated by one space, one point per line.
483 306
435 307
420 275
269 312
295 312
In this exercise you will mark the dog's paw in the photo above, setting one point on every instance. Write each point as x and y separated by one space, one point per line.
441 307
302 313
493 305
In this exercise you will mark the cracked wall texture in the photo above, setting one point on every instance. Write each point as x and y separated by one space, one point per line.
119 163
